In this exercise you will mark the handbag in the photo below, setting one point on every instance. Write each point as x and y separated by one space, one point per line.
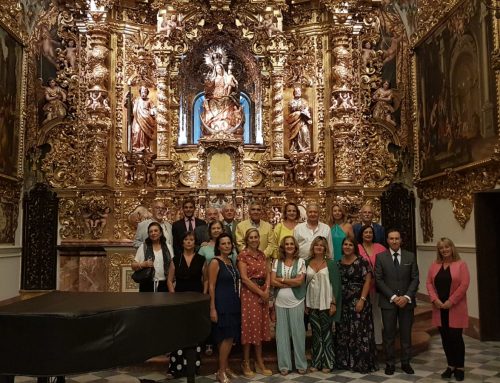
143 275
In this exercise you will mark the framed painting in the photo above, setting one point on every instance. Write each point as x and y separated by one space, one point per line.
456 95
11 85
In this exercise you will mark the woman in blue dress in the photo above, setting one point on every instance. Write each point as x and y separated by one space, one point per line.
225 305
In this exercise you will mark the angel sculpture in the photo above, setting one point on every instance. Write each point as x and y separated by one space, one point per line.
170 24
55 101
268 25
386 103
222 111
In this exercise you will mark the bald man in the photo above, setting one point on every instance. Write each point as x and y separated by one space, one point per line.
366 215
159 214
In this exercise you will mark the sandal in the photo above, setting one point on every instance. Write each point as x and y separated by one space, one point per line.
284 372
301 371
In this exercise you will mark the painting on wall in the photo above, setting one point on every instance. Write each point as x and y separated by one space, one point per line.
455 92
10 102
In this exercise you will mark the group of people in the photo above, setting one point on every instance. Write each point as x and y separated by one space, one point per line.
339 279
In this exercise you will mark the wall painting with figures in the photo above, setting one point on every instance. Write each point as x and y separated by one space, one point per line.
10 102
11 70
455 88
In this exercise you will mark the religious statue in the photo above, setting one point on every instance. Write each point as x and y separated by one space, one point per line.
143 121
70 54
55 98
386 103
222 111
170 24
299 122
268 26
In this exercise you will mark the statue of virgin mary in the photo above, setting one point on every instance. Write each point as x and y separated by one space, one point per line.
222 111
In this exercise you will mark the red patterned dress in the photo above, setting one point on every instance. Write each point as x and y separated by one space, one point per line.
254 313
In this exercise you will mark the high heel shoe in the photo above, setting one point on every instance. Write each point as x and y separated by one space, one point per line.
230 373
222 377
448 373
246 370
459 375
263 371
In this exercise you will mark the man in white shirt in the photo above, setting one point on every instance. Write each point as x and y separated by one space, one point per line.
306 231
159 214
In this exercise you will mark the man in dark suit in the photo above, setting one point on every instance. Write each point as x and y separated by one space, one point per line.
201 233
188 223
396 276
366 215
228 213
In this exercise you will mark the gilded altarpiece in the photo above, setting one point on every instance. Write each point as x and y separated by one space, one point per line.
220 101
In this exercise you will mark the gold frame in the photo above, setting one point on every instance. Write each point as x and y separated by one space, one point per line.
457 184
22 83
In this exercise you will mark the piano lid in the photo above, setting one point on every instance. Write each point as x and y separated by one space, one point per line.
63 333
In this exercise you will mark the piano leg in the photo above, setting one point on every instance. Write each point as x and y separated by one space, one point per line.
58 379
191 364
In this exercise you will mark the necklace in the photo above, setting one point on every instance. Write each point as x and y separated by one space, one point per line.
234 275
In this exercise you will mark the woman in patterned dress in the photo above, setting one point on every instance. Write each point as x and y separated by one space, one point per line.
323 303
255 326
225 306
354 336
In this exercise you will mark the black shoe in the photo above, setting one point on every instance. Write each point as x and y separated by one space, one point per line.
459 375
447 374
389 369
407 368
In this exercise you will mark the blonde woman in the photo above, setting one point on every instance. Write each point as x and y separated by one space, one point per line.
447 283
323 300
340 229
291 217
288 277
255 322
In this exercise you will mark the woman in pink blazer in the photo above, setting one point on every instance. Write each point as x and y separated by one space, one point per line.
447 283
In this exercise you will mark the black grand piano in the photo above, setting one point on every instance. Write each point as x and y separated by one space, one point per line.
63 333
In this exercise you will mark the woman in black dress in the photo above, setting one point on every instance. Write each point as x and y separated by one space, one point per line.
225 305
186 270
354 335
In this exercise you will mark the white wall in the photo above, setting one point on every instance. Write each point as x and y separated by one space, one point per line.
10 265
445 225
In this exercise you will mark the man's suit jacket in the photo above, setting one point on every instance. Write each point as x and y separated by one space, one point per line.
231 232
378 233
267 238
142 232
178 230
399 281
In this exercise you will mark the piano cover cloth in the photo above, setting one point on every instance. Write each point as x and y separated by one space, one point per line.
63 333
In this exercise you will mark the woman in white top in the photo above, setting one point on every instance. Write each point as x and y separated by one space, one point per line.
322 303
154 252
288 276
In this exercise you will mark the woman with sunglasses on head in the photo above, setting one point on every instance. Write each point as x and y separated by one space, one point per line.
447 283
323 303
354 338
340 229
225 305
287 277
155 253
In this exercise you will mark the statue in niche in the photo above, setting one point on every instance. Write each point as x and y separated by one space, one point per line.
144 120
386 103
222 111
299 122
55 98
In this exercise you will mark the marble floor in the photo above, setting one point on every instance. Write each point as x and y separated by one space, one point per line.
482 363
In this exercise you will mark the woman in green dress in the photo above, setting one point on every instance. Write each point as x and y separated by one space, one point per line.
340 229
